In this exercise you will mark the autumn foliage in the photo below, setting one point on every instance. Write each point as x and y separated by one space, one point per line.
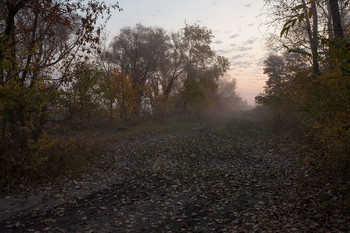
56 75
308 91
124 95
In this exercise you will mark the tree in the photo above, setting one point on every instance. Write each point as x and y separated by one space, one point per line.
38 43
280 92
317 19
168 81
138 52
318 102
313 36
82 97
302 38
191 69
202 67
227 100
172 68
162 66
336 18
125 94
334 14
281 70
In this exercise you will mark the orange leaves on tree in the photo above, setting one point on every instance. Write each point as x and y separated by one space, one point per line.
124 94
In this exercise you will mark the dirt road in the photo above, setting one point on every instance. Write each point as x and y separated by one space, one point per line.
219 177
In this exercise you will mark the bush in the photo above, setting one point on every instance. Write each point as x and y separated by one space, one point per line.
50 156
318 107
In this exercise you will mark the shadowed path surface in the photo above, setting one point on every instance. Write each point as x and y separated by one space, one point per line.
214 178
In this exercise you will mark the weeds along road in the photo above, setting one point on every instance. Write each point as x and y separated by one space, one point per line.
226 177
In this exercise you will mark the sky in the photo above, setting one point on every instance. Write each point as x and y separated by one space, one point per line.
236 24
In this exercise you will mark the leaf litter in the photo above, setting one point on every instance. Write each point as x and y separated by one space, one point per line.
213 178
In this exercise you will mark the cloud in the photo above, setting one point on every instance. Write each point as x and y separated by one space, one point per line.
260 62
218 42
242 63
234 36
236 57
259 78
239 64
155 13
223 51
250 41
233 45
243 48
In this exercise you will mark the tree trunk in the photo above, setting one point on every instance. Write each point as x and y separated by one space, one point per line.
329 22
314 41
111 110
12 9
312 34
337 27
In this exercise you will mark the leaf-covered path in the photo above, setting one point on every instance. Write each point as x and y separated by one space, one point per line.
218 177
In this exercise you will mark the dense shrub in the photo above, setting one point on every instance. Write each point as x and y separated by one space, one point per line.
49 156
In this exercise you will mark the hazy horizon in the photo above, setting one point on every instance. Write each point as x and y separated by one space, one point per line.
239 34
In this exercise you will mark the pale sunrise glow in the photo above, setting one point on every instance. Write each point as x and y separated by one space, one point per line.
239 34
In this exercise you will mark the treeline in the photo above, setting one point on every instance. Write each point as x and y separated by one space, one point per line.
308 90
56 71
148 72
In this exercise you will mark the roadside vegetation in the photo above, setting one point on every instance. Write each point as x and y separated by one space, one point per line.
58 76
308 91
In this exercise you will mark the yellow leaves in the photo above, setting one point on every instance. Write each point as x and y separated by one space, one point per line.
124 93
287 26
301 6
53 153
320 106
301 17
311 11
